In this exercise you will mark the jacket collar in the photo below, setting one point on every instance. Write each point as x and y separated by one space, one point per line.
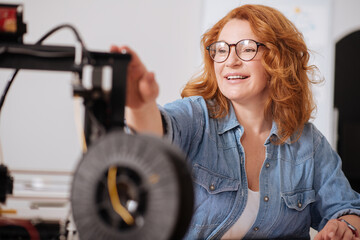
274 132
230 121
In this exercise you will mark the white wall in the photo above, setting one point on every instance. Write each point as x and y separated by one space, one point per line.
346 18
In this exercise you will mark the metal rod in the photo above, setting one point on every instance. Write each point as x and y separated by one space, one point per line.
41 172
22 197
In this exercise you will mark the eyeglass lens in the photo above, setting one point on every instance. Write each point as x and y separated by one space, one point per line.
245 50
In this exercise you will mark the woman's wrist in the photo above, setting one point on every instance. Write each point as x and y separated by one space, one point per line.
350 226
146 119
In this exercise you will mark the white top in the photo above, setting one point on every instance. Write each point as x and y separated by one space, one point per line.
247 218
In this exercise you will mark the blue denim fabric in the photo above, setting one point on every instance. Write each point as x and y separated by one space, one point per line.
301 183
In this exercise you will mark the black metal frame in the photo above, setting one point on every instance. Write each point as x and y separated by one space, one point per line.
108 108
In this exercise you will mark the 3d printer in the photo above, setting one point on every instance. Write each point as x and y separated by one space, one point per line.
126 186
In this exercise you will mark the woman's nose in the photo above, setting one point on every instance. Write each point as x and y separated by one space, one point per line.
233 59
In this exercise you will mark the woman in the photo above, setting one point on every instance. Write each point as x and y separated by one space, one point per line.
260 169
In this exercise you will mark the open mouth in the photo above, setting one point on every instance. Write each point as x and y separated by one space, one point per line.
236 77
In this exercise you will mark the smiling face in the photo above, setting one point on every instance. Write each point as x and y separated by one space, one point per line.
243 82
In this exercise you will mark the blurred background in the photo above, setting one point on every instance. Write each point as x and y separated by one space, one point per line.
37 126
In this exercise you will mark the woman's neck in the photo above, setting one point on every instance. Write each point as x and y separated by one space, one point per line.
252 118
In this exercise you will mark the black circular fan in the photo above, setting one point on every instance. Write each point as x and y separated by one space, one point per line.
150 184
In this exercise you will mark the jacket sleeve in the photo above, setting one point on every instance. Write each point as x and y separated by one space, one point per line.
334 195
183 121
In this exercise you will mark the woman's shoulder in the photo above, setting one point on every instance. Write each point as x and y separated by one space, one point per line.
311 135
196 103
310 130
195 99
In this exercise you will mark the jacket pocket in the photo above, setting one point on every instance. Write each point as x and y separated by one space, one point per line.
214 198
213 182
299 200
293 219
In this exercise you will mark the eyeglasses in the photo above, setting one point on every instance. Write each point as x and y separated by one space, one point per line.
245 49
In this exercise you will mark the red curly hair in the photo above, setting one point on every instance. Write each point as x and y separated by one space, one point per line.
285 59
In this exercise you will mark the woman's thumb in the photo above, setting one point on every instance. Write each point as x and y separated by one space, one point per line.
148 87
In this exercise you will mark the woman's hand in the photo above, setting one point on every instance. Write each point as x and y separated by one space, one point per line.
141 87
335 230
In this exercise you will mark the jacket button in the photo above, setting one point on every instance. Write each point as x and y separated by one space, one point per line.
299 204
267 165
256 228
266 198
212 187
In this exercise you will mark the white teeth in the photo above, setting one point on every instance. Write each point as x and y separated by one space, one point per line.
235 77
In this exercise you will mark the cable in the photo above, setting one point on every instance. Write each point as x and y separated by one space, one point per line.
2 100
78 38
78 124
26 224
114 197
11 80
77 35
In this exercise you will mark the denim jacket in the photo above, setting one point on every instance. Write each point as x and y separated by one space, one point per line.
301 183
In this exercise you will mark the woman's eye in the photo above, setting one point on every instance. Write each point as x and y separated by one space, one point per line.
248 50
222 51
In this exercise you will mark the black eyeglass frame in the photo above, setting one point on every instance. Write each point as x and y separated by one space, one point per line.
258 44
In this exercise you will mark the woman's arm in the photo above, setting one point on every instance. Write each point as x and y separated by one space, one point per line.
141 113
146 119
335 198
